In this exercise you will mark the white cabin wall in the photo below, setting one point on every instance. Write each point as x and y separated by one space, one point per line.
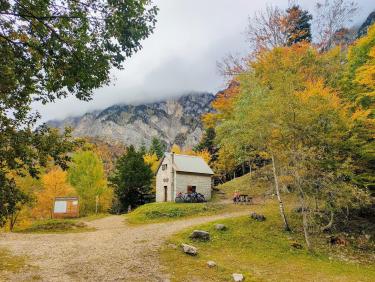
202 182
161 176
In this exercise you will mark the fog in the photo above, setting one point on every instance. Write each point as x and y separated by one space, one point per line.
181 55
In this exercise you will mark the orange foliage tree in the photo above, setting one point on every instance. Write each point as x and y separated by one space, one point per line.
54 184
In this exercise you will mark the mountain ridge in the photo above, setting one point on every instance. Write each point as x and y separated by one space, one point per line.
173 120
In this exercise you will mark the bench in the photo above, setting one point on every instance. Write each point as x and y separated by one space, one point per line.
243 199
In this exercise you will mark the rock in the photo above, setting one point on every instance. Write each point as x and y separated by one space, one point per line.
238 277
296 245
175 120
257 217
80 224
220 227
200 235
190 250
211 264
337 240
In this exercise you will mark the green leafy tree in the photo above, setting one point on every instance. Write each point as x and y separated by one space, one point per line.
157 147
12 200
86 174
52 49
131 179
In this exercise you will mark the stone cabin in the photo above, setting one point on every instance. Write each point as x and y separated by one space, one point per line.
182 173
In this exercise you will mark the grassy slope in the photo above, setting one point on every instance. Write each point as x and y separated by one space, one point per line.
256 186
262 251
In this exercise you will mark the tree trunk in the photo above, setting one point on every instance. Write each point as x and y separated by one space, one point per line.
281 204
304 221
329 225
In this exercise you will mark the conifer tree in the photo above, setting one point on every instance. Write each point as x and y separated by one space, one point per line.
131 179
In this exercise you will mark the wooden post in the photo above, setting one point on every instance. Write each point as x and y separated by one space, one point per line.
96 203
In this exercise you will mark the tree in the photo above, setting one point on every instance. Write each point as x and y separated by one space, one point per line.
12 200
298 27
288 108
331 16
267 29
277 28
157 147
176 149
207 142
52 49
54 184
86 175
131 179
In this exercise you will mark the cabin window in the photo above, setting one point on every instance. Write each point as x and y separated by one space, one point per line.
191 189
164 167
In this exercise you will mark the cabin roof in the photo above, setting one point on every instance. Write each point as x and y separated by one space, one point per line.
190 164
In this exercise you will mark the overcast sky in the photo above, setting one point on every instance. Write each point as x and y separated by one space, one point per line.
181 55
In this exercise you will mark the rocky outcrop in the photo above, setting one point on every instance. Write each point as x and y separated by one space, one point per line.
174 121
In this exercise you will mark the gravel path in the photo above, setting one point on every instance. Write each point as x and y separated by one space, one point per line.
114 252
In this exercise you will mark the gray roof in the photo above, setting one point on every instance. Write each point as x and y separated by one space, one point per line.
192 164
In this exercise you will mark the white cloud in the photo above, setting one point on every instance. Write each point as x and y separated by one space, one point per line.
181 55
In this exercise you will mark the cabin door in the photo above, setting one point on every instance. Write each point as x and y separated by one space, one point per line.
165 193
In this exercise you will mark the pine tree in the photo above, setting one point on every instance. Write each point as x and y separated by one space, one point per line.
131 179
298 25
157 147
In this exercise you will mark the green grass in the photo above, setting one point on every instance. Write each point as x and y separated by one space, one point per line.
161 212
262 252
55 226
9 262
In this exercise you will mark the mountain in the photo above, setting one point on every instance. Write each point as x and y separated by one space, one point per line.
369 21
174 121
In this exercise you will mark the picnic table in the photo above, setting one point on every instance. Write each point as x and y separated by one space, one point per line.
243 199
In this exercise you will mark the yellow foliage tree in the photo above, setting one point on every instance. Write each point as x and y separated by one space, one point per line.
152 161
204 154
176 149
54 184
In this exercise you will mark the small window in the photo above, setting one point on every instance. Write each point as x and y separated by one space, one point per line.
191 189
164 167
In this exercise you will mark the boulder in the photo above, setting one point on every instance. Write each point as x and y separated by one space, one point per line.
296 245
337 240
200 235
237 277
190 250
211 264
220 227
257 217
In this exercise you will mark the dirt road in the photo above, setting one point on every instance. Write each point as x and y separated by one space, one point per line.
114 252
